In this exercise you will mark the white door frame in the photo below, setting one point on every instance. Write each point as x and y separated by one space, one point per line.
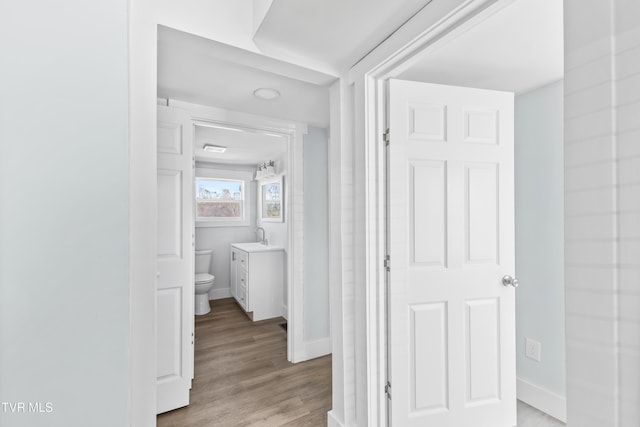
144 18
293 133
431 28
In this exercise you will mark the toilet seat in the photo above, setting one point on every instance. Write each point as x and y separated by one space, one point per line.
204 278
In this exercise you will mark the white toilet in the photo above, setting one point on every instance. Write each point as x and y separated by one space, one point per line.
204 281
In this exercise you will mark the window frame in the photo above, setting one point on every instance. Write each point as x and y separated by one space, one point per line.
245 177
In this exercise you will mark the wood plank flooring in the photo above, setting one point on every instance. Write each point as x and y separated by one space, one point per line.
242 377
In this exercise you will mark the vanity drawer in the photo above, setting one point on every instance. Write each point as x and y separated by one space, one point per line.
243 259
242 297
244 279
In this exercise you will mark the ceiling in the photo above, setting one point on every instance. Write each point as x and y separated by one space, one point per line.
336 32
517 49
202 71
244 147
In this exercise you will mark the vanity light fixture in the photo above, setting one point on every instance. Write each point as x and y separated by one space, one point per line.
270 170
259 173
267 93
214 148
265 170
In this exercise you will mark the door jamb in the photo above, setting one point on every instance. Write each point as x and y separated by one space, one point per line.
294 205
369 80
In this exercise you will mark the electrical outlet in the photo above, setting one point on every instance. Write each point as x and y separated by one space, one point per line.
532 349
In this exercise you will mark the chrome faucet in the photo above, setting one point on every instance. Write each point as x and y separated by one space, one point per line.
264 235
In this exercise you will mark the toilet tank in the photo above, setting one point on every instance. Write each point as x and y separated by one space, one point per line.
203 261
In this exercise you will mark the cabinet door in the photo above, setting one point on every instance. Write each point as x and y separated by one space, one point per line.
233 274
243 288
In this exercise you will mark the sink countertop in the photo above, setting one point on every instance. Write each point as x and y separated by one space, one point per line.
256 247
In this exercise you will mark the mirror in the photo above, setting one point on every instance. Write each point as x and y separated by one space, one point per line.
271 200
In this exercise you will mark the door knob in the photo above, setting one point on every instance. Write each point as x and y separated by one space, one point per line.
510 281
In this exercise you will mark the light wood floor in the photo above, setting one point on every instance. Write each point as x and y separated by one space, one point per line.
242 377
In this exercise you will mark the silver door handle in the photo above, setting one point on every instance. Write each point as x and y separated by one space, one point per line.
510 281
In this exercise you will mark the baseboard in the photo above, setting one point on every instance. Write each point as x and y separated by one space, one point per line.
285 312
542 399
316 348
219 293
332 420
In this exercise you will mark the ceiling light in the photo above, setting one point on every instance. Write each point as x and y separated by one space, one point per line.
266 93
214 148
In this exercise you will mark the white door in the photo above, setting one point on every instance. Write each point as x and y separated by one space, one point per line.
450 241
175 285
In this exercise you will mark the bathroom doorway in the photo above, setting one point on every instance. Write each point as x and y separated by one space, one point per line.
287 135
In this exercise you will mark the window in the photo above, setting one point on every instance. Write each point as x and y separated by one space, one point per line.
220 199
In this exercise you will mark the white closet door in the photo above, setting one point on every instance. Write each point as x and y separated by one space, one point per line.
175 285
451 241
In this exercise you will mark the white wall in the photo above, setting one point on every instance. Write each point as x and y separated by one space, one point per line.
539 185
316 235
218 238
602 212
64 212
277 232
229 22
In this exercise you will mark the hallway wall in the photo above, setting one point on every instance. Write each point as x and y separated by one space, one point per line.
602 212
316 233
539 197
64 214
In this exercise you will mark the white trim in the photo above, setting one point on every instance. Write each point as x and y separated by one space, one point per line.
234 175
316 348
427 26
542 399
294 216
144 18
293 202
204 115
143 218
432 25
285 311
332 420
219 293
337 134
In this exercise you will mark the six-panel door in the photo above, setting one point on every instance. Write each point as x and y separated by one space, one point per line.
451 239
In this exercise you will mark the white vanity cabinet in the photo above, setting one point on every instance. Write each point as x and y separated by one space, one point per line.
257 279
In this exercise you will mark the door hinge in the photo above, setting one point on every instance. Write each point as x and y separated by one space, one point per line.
387 262
386 136
387 390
